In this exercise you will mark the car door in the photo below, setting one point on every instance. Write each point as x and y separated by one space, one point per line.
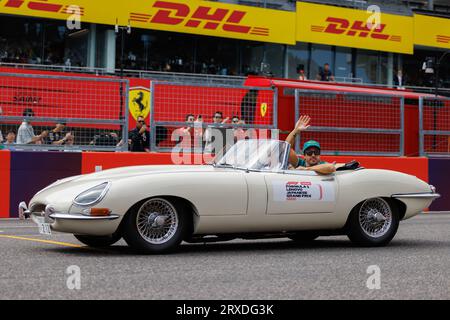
300 192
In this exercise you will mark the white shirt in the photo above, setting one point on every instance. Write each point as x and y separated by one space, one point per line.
25 133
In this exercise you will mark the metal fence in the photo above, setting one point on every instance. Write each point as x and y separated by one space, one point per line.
203 118
352 123
63 112
434 126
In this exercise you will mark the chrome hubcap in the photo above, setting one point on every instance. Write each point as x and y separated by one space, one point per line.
157 221
375 217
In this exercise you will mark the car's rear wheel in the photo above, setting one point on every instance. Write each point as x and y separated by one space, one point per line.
98 241
304 236
373 222
157 226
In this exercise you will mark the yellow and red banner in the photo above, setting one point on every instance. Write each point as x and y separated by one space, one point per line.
194 16
350 28
311 23
431 31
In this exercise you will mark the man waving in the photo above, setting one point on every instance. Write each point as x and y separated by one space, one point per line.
311 151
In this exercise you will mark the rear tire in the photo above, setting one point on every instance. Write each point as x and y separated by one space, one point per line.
156 226
98 241
373 223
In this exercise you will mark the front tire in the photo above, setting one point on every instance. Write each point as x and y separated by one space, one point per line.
373 223
157 226
98 241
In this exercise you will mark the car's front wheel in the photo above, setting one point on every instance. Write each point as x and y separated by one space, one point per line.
156 226
98 241
373 222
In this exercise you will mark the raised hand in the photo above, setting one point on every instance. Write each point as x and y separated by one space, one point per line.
302 124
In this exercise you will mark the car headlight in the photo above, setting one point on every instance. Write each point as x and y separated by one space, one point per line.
92 195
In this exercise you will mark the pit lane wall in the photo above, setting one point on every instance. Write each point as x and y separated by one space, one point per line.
23 173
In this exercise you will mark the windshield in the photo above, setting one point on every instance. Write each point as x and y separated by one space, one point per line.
256 155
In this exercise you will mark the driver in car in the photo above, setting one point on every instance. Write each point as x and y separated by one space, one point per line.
311 151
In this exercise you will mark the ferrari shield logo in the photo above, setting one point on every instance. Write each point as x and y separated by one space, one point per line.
263 109
139 102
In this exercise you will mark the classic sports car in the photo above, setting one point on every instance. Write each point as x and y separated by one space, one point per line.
248 193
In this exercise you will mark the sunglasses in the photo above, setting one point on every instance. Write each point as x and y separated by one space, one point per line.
217 117
311 152
141 121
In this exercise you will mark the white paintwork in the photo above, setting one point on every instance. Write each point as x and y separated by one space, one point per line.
228 200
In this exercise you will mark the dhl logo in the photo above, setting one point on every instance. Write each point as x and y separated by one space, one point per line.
43 6
443 39
358 28
174 14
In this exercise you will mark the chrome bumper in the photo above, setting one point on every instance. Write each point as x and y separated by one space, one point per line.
417 195
67 216
50 215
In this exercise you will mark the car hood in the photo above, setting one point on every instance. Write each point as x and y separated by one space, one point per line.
65 189
129 172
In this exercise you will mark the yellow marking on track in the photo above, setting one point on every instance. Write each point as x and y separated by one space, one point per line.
65 244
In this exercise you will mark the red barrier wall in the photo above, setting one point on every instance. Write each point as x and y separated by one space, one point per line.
415 166
5 161
91 160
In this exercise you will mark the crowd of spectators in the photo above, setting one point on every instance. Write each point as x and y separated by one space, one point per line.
24 51
176 64
195 134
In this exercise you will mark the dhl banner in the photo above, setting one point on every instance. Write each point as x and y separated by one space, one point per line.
431 31
194 16
350 28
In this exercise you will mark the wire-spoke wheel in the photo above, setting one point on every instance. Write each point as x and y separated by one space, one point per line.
375 217
157 221
373 222
156 225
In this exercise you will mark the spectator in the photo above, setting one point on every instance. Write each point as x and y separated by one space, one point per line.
10 137
25 134
238 132
57 135
70 139
106 140
301 72
241 133
193 130
140 137
325 73
400 79
183 135
217 121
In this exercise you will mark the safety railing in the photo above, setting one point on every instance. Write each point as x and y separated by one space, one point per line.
434 126
196 118
352 123
43 112
134 73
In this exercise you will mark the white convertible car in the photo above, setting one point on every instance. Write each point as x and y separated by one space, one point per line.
248 193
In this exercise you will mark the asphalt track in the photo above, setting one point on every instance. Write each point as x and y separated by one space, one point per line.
416 265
